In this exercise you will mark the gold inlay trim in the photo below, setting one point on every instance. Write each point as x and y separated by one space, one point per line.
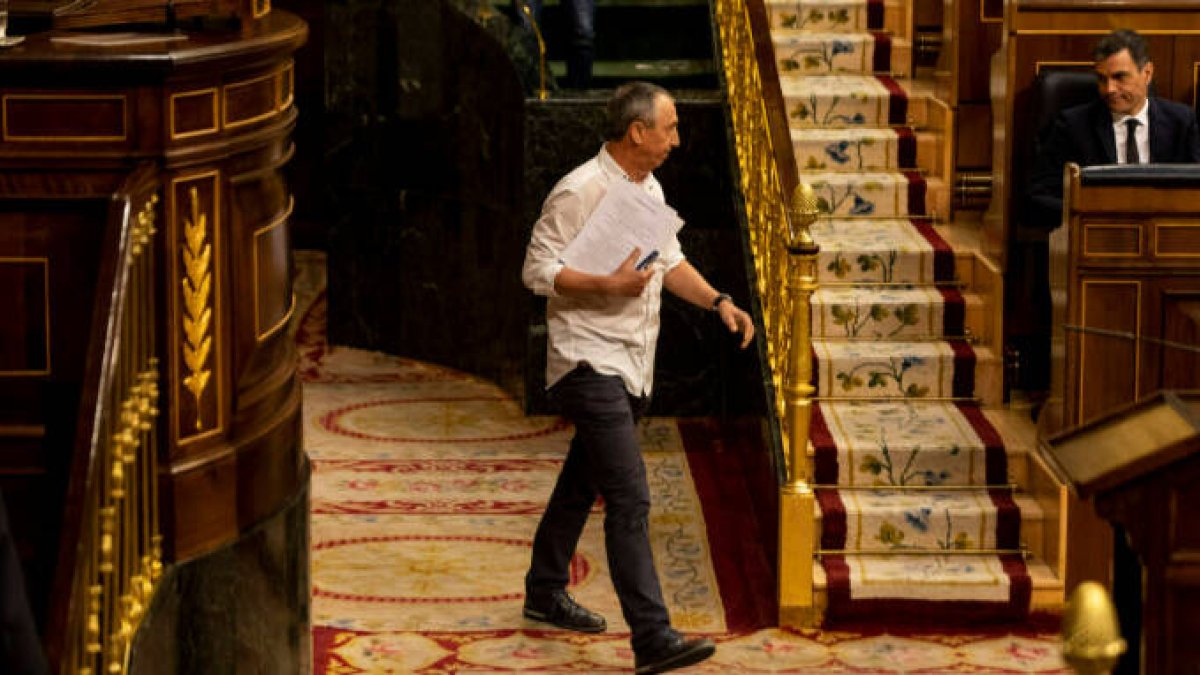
1137 351
259 334
7 135
226 89
199 256
288 74
45 263
197 303
210 91
1158 227
983 15
1087 249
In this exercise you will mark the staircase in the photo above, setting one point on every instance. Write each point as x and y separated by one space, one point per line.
668 42
921 478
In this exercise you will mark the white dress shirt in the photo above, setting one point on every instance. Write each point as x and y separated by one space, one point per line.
1141 134
614 335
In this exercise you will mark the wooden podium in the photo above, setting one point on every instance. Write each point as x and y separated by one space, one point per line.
1140 466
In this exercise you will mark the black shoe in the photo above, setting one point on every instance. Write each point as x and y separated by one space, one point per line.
561 610
675 652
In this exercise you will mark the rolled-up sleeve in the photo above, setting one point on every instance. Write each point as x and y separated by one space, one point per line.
560 222
672 253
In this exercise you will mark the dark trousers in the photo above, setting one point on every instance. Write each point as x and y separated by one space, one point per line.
604 460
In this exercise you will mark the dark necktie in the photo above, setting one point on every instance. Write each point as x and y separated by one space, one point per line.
1131 151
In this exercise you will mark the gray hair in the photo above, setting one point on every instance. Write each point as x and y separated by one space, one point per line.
1119 40
631 102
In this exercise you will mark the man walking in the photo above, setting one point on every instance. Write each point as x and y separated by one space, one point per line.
600 365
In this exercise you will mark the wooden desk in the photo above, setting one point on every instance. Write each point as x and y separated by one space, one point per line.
212 112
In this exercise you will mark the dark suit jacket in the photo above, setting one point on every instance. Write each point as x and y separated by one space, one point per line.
1084 135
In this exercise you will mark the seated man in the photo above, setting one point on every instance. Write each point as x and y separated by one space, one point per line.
1125 126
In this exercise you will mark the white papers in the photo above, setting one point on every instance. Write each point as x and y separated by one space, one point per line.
626 218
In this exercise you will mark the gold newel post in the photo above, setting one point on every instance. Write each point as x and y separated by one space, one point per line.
797 521
1092 642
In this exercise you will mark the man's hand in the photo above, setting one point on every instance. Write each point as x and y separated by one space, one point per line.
737 321
628 280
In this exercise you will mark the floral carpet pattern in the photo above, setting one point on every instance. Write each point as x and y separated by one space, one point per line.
427 485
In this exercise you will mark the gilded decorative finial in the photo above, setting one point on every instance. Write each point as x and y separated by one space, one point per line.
1092 640
802 213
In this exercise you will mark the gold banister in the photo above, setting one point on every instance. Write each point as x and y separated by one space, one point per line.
785 263
112 553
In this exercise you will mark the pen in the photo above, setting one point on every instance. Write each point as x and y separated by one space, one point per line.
651 257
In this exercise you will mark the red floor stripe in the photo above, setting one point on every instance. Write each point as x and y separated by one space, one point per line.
954 312
882 56
916 193
744 574
963 383
943 254
906 155
897 101
995 456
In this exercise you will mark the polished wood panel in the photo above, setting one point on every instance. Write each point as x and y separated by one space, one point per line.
65 117
1140 469
1126 322
213 113
25 306
971 33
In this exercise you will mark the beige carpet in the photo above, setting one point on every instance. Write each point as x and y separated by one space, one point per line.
427 486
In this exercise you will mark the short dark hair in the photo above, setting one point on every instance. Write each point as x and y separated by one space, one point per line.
631 101
1120 39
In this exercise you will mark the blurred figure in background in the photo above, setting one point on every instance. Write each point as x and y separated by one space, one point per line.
581 44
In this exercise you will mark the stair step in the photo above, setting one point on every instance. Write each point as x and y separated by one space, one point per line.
894 369
876 514
868 193
811 53
1047 587
929 520
905 442
854 149
895 250
840 16
840 101
889 312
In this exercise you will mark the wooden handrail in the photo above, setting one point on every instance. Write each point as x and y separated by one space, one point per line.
110 548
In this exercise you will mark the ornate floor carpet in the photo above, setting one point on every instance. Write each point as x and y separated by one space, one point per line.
427 487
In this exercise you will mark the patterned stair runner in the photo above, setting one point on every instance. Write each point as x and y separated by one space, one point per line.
915 509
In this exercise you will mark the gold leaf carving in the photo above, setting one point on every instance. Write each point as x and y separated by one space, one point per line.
197 298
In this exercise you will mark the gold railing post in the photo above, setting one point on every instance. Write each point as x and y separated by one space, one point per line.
797 519
1091 635
120 543
543 92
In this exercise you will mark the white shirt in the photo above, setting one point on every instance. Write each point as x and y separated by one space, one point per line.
614 335
1141 134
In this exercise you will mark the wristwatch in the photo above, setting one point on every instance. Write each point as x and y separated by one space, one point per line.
719 299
